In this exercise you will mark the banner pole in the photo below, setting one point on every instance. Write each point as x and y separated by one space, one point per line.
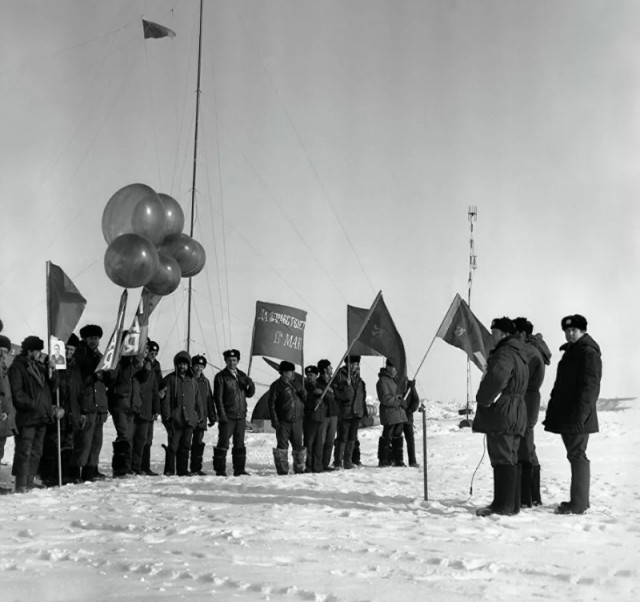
424 450
253 340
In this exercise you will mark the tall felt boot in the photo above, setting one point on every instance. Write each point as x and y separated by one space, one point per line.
348 455
355 456
281 460
580 482
169 461
383 452
505 478
197 452
145 463
338 457
397 451
21 483
535 485
65 458
220 461
299 460
48 469
121 461
182 462
239 459
526 485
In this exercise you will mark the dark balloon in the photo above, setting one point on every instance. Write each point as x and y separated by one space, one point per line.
186 251
202 259
167 278
134 209
131 260
174 216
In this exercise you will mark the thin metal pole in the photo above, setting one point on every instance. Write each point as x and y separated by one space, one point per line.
195 170
423 409
472 216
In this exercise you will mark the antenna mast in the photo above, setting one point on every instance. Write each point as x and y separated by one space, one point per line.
472 216
195 168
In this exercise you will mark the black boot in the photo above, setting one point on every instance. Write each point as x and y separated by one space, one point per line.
411 449
197 452
349 446
239 459
281 460
88 474
121 461
505 478
169 461
299 460
526 491
397 452
182 462
383 452
145 463
220 461
355 456
535 485
580 482
97 475
517 492
336 455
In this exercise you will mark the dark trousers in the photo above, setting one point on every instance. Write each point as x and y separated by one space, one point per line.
314 438
410 438
142 437
28 450
198 437
527 449
330 437
289 431
348 429
389 431
503 448
87 443
231 429
179 439
124 423
576 446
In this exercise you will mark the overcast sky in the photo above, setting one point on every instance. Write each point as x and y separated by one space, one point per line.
341 144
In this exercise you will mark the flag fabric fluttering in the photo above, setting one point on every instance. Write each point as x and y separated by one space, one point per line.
65 303
136 339
463 330
278 332
379 335
155 30
112 352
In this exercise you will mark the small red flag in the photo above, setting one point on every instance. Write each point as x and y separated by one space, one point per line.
154 30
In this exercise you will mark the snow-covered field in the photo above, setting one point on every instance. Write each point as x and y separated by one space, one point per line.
360 535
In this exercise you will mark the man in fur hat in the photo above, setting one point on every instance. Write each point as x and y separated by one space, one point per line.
207 414
571 411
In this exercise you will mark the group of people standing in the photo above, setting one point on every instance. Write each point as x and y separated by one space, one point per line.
508 401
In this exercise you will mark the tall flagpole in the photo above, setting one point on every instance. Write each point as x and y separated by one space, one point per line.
472 215
195 169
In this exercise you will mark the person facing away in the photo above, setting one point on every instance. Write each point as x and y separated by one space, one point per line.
539 357
286 409
571 411
231 389
207 414
502 414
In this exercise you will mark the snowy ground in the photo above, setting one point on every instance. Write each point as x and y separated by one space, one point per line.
360 535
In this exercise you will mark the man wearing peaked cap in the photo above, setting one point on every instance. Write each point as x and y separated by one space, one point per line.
231 388
207 416
502 415
571 411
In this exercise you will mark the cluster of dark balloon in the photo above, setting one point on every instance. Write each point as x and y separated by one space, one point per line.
147 247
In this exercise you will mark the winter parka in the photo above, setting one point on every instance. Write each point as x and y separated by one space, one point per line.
8 426
572 406
149 395
230 393
392 404
121 390
352 397
181 403
314 391
207 407
500 396
539 357
286 402
93 394
31 391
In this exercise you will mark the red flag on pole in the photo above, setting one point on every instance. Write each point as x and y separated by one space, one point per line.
136 339
155 30
279 332
463 330
112 352
379 335
65 303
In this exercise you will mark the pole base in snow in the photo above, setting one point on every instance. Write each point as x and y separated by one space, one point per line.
466 423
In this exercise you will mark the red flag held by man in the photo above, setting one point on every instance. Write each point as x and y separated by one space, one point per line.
155 30
65 303
279 332
462 329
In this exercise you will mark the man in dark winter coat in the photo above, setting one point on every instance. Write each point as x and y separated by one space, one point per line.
392 416
325 372
351 394
539 357
180 414
286 409
571 411
31 390
207 414
413 403
231 388
145 414
316 418
7 411
502 414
